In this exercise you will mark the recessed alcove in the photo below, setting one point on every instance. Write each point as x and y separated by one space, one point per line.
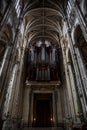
42 110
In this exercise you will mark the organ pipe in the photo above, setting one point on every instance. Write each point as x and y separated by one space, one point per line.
43 54
43 60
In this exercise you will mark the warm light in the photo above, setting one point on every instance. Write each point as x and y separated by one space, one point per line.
51 119
34 119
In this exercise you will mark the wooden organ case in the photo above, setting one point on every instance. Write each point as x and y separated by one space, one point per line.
42 63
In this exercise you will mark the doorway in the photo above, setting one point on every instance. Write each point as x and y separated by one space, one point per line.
42 110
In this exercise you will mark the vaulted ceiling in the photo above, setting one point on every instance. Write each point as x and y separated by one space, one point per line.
44 19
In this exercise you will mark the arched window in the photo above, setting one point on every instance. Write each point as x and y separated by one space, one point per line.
84 8
81 43
2 51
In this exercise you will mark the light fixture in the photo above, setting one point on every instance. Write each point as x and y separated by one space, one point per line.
34 119
51 119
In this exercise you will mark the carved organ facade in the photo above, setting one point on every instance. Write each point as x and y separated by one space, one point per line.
42 64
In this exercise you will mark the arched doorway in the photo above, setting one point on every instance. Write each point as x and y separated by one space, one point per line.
42 110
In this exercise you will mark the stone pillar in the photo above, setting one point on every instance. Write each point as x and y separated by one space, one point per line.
10 123
31 101
79 84
82 70
74 94
69 107
59 106
4 59
18 86
26 106
54 111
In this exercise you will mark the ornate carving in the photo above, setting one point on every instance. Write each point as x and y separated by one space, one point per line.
72 17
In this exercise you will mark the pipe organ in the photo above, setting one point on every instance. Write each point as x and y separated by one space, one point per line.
42 63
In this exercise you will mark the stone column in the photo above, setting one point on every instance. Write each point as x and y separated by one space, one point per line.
9 122
69 108
74 94
79 84
59 106
4 59
31 101
54 111
82 71
26 106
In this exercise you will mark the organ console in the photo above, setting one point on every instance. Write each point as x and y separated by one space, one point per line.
42 63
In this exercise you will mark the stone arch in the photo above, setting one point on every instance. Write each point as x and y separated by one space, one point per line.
81 44
7 35
5 40
3 5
